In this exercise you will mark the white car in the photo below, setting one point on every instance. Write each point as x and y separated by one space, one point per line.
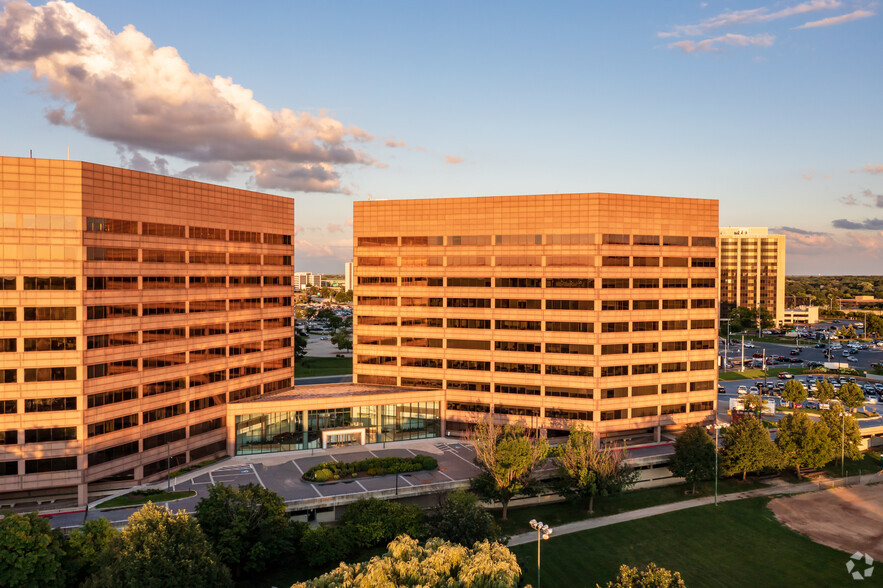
749 345
754 390
742 390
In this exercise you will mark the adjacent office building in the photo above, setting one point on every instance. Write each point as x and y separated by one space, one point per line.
597 309
134 307
752 270
304 279
348 276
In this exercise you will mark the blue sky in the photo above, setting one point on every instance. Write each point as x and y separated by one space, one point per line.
774 109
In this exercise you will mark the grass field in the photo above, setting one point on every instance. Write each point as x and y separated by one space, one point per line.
868 464
309 367
735 544
558 513
757 374
136 499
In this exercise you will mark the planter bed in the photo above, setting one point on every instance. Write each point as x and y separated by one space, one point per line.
335 471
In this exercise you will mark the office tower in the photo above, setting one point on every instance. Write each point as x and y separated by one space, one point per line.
752 270
304 279
348 276
597 309
134 308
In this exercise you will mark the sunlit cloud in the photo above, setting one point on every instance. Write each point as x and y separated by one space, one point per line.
837 20
453 159
870 169
123 89
730 39
848 200
750 16
393 144
332 228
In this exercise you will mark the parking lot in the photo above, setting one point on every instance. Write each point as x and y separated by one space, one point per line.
281 473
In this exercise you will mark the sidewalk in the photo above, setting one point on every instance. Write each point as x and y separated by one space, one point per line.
777 489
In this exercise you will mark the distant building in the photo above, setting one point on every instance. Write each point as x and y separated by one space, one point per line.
304 279
348 276
802 315
752 270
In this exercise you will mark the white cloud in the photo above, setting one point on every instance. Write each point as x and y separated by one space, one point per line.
836 20
871 169
731 39
453 159
750 16
124 89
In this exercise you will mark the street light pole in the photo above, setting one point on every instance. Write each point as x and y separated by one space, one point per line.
543 532
842 442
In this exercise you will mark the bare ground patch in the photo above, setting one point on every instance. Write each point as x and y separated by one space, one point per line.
846 518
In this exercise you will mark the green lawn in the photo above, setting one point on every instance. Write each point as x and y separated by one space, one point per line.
133 499
734 544
558 513
869 463
757 374
309 367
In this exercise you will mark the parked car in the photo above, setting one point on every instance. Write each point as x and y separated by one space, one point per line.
754 390
721 389
749 345
811 404
795 351
742 390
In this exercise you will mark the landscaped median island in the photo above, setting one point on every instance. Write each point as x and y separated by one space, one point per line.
366 468
139 497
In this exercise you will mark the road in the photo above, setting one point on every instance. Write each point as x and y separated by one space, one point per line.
344 379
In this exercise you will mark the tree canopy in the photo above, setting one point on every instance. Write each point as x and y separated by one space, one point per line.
508 456
650 577
587 471
824 391
838 423
247 526
694 456
804 443
161 548
753 403
31 552
460 519
747 447
437 564
794 391
851 395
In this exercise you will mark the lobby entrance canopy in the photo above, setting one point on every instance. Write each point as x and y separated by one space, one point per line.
342 437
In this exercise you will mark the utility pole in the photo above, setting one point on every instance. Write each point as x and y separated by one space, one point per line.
742 367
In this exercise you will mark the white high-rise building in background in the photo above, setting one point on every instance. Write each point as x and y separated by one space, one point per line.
348 276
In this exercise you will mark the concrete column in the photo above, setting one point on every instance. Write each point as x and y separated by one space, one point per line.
306 427
657 433
82 494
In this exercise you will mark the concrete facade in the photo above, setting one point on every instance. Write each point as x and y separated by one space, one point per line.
135 307
752 270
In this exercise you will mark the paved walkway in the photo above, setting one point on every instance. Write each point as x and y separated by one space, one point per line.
779 487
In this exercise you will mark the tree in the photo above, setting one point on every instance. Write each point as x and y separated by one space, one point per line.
461 520
342 339
507 455
587 471
747 447
437 564
373 521
694 456
804 443
753 403
742 318
343 297
766 319
851 395
247 526
650 577
794 392
161 548
31 552
873 324
300 347
843 429
87 548
847 332
824 391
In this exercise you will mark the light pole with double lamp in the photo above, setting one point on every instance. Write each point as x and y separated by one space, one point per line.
543 532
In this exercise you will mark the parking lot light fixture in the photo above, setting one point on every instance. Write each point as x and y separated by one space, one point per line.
543 533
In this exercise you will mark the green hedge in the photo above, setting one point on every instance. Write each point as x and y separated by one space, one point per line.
374 466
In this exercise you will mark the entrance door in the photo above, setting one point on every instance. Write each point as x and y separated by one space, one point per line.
344 439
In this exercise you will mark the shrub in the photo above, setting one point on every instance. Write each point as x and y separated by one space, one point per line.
325 545
375 521
374 466
322 475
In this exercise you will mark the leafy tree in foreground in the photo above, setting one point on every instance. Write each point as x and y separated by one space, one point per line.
342 339
804 443
838 423
437 564
650 577
247 527
300 347
508 455
873 324
694 456
462 520
87 548
851 395
824 391
747 447
587 471
31 552
160 548
794 392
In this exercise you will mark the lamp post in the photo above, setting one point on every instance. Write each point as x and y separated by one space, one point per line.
842 442
543 532
717 427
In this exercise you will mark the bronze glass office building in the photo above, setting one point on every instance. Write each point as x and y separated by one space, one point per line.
598 309
134 307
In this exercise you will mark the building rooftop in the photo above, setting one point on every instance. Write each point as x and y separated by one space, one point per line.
333 391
